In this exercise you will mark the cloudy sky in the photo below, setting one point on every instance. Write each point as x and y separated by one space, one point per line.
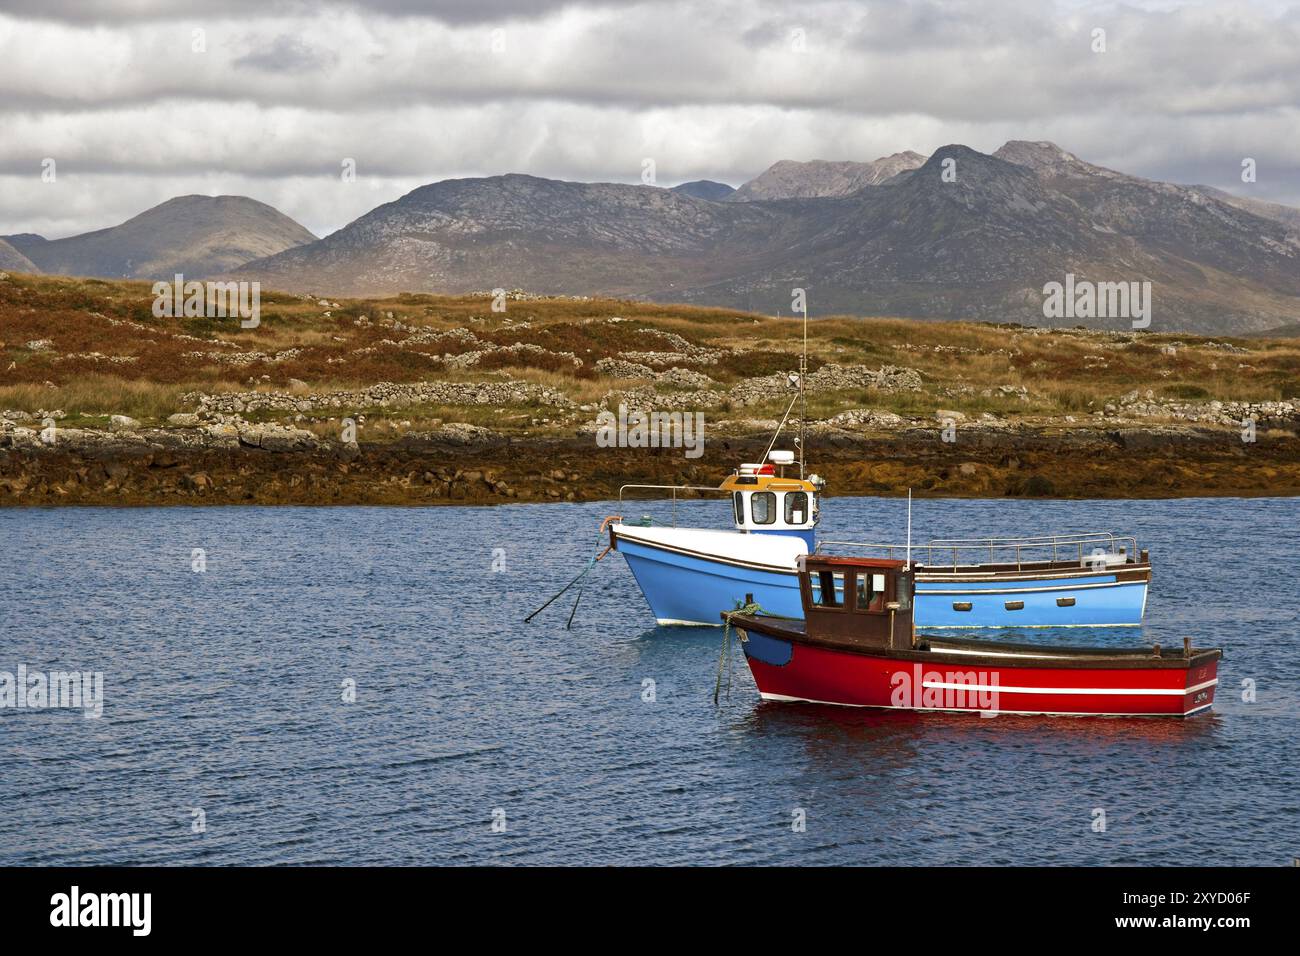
137 101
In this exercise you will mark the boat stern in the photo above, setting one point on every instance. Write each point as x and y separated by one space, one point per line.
1202 679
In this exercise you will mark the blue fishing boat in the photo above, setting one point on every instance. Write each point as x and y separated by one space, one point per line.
689 575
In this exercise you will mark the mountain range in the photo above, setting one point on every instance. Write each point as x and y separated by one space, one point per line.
958 234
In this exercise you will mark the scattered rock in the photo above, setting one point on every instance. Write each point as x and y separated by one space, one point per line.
617 368
862 418
273 437
828 378
463 433
384 395
685 378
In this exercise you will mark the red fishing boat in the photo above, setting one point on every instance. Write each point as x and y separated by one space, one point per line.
857 646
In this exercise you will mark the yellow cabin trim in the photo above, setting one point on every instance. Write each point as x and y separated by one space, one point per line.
766 483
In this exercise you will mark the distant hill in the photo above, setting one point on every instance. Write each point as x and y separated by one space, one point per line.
11 260
793 180
24 241
706 189
194 235
1291 331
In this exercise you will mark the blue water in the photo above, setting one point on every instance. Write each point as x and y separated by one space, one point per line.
223 692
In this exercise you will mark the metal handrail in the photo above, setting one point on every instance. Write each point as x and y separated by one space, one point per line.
1115 544
888 548
1069 537
674 489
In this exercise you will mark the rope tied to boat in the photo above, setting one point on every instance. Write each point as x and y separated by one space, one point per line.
724 656
591 563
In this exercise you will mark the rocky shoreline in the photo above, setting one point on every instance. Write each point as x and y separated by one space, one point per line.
239 462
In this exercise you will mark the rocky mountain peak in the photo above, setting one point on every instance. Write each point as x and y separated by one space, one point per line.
1036 155
791 179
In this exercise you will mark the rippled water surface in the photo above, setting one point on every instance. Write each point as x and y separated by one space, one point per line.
223 692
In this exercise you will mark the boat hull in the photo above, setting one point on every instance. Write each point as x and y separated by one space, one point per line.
786 670
691 589
686 579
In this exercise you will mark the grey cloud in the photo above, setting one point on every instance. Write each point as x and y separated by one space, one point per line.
448 11
286 54
950 59
709 88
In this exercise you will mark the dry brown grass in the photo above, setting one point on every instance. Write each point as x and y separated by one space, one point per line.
1065 372
96 395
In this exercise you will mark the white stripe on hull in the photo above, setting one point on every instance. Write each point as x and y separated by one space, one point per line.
1046 654
782 698
1111 691
1016 627
1030 590
1024 573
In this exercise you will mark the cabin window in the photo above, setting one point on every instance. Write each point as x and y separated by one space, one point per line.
762 507
738 501
796 507
866 593
827 589
871 591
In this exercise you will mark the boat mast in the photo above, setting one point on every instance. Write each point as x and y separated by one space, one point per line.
909 527
803 396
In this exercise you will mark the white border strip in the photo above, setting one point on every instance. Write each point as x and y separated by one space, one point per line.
783 699
1015 627
1110 691
1082 571
1046 654
1030 590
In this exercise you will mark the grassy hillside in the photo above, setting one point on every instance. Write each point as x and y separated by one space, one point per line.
93 348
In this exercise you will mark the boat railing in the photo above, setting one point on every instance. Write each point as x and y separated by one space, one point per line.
1087 548
675 493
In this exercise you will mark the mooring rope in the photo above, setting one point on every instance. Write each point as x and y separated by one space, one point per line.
591 563
568 625
724 656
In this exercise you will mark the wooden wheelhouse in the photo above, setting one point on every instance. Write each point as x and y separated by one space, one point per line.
857 602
